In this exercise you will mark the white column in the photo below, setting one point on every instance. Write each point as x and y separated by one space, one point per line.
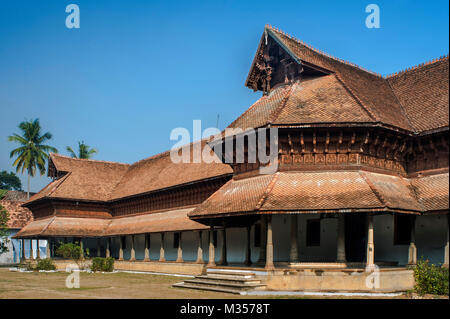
293 254
161 249
108 249
211 261
147 248
269 244
199 248
370 243
412 250
180 249
446 248
121 248
341 258
132 251
47 249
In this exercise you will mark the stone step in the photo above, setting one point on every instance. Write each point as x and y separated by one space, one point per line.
209 288
235 279
231 273
221 283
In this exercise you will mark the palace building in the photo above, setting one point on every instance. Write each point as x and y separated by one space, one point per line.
361 183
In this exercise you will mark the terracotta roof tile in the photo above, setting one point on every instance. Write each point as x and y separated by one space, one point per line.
424 93
432 191
18 216
337 191
174 220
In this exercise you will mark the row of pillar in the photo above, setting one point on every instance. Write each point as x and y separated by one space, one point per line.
266 245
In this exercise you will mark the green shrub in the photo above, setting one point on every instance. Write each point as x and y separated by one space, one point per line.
430 279
69 251
45 264
102 264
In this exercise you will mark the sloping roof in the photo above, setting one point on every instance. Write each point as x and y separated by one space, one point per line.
174 220
424 93
65 227
351 89
159 171
432 191
55 226
103 181
85 179
18 216
311 192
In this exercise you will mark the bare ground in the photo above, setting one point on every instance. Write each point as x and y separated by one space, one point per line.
115 285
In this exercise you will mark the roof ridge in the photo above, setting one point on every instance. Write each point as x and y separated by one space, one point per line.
267 191
416 67
323 53
357 99
372 187
87 159
282 105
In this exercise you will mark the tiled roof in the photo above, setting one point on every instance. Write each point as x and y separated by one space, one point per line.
423 92
353 94
18 216
432 191
173 220
64 226
102 181
326 191
158 172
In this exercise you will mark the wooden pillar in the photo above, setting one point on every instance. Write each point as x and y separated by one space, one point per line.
211 261
262 243
147 248
248 252
412 250
446 247
269 244
199 248
341 258
370 244
161 249
108 247
98 247
180 249
120 248
293 254
132 251
223 253
23 250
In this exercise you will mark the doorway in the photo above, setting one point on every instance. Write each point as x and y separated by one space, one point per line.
355 237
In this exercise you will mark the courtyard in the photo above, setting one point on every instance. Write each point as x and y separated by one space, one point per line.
31 285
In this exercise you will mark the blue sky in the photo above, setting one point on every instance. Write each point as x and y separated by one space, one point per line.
135 70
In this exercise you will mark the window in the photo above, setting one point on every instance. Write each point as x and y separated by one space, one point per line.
313 232
257 238
402 230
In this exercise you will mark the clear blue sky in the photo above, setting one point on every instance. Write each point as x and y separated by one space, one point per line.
135 70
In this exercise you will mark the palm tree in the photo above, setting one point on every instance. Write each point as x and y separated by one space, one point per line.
32 153
84 151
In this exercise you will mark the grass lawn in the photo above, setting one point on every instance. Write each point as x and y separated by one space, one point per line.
97 285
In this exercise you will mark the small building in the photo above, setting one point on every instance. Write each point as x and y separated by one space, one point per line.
18 217
360 182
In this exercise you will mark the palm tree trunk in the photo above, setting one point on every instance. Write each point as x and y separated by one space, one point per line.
28 187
